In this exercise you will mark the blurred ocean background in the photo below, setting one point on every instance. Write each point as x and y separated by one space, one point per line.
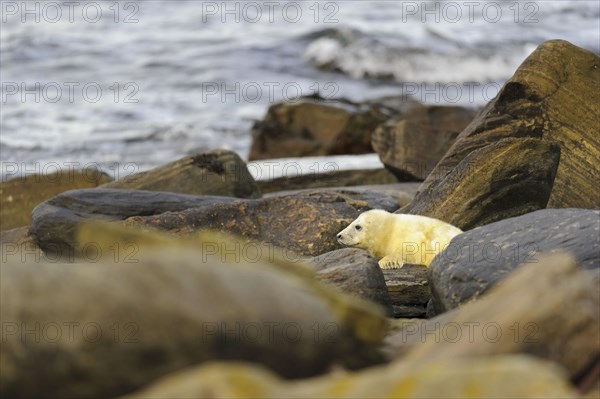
148 82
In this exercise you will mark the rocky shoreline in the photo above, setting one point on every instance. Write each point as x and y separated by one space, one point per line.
195 280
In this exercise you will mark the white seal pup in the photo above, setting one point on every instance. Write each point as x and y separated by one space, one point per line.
398 239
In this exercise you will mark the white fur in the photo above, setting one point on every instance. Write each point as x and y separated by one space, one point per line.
398 239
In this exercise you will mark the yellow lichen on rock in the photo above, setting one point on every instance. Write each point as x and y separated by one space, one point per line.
503 376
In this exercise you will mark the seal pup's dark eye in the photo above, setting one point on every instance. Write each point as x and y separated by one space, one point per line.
358 227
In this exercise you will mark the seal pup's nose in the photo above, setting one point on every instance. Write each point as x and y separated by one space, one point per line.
339 236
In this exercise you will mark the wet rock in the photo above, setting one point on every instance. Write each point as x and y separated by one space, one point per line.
409 290
112 327
54 222
553 96
503 376
412 144
306 223
218 172
340 178
547 309
355 272
480 258
314 126
18 196
509 178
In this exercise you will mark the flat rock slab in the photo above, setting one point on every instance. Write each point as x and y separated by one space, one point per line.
480 258
409 290
355 272
55 221
306 223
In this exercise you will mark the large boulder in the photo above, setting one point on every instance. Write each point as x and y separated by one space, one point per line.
54 222
306 223
312 126
412 144
409 290
507 344
112 327
501 180
478 259
553 96
547 309
217 172
19 195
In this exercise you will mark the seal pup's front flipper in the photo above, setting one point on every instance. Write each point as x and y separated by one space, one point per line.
391 262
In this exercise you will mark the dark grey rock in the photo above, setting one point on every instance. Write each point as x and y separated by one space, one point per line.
477 259
54 222
355 272
306 223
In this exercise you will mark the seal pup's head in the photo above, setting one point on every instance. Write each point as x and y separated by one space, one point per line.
363 229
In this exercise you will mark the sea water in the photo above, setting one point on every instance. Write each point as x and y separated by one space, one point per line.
129 85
